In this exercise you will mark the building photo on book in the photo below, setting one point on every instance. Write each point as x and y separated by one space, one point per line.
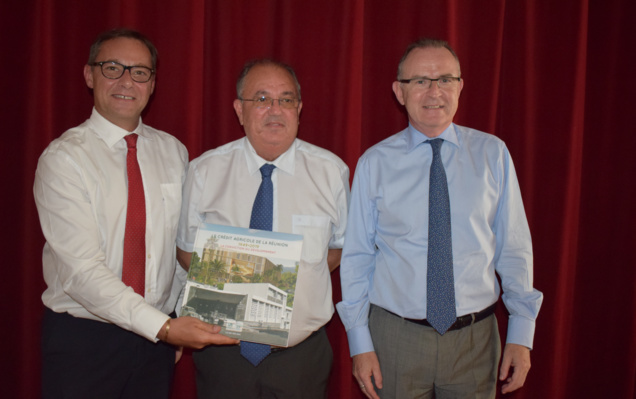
244 280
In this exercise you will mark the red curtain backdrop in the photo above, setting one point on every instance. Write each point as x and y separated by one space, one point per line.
551 78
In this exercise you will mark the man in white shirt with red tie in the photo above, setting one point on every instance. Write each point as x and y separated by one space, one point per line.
108 193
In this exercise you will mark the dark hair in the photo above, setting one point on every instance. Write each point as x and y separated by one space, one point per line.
425 43
117 33
240 83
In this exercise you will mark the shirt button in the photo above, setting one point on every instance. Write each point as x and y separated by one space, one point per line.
148 256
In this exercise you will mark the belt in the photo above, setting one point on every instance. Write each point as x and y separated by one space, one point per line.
462 321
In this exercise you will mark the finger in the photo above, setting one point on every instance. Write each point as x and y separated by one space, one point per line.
366 386
510 386
370 392
504 369
219 339
377 378
515 382
215 329
510 381
364 390
178 354
209 328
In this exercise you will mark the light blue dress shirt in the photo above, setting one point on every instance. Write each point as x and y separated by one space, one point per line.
385 251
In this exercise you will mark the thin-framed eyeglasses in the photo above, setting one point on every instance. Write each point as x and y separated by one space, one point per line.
268 102
115 70
445 82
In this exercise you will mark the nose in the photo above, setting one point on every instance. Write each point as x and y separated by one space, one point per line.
434 89
126 79
275 107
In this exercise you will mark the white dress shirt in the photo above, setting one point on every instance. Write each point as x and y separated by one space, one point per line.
311 195
81 195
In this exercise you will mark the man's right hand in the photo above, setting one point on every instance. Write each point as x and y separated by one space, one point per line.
193 333
365 366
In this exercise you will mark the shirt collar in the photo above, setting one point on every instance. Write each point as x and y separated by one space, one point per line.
111 133
414 137
284 162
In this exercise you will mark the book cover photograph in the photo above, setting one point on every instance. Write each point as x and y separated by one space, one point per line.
244 280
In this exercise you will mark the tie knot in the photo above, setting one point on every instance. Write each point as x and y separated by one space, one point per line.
131 140
267 169
436 144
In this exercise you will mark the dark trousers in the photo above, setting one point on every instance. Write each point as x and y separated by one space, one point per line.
299 372
84 358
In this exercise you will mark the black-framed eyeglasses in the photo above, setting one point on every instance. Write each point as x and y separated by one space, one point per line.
115 70
268 102
445 82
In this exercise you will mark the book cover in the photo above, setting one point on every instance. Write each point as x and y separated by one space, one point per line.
244 280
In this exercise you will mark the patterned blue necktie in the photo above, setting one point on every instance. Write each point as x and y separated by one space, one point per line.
440 287
262 215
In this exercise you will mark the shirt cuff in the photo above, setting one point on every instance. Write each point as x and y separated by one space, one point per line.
185 246
149 323
520 331
360 340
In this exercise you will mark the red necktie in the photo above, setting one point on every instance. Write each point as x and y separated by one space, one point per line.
134 269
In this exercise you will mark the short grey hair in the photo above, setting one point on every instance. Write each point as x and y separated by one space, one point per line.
426 42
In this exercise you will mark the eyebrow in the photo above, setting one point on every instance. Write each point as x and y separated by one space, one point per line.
120 62
445 75
266 93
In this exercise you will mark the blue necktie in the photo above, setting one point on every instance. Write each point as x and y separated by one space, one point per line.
262 215
440 288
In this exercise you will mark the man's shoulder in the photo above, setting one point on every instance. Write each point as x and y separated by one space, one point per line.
69 141
164 138
474 136
327 157
395 143
219 154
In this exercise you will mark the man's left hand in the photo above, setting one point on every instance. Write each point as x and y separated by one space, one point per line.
517 357
178 354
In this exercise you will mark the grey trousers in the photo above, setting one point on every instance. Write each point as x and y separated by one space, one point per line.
417 362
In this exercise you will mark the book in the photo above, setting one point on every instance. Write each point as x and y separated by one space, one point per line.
244 280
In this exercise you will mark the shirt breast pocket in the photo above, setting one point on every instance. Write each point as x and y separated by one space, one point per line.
316 232
171 193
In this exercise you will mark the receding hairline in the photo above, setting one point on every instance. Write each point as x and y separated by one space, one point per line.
122 33
425 43
264 62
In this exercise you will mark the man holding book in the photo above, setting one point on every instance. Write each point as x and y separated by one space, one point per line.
108 193
271 180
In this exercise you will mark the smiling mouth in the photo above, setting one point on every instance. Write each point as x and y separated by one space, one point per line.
123 97
274 122
433 106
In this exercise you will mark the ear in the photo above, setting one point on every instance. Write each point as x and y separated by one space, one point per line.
238 108
88 75
399 94
300 107
152 85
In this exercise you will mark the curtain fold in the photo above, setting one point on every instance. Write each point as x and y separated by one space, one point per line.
552 79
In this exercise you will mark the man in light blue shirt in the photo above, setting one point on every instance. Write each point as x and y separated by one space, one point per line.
384 261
